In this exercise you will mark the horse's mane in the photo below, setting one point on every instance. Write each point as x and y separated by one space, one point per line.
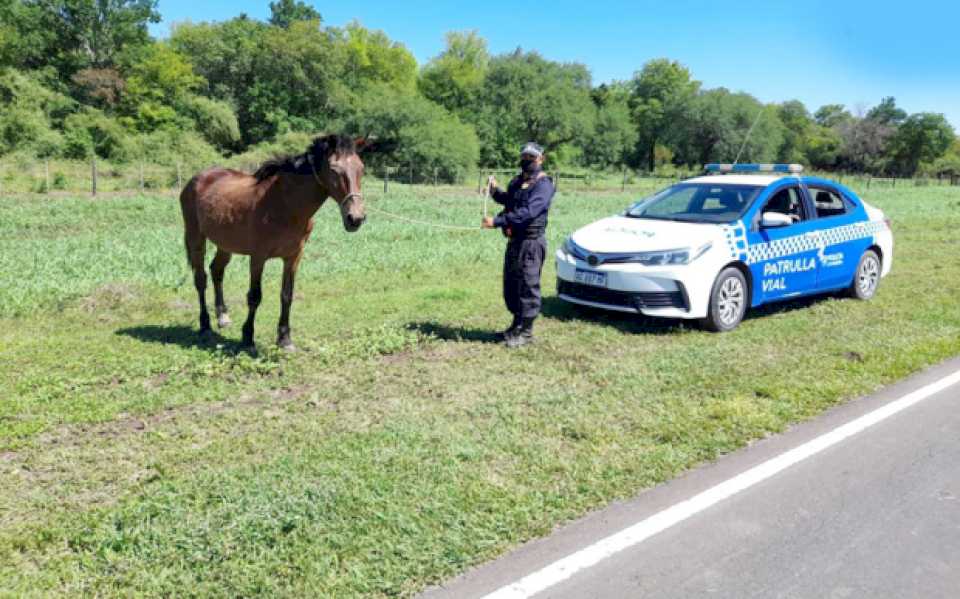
321 148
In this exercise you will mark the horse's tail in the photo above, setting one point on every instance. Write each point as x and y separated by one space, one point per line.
192 236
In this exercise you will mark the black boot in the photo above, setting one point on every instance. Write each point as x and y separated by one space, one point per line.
514 327
524 336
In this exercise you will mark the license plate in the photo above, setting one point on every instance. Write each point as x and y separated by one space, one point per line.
589 277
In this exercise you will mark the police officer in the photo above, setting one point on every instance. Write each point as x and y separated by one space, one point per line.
524 222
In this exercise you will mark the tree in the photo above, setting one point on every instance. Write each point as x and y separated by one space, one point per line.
285 12
922 137
797 123
423 134
863 145
455 78
663 95
526 97
76 34
887 113
832 115
720 126
614 138
158 86
371 57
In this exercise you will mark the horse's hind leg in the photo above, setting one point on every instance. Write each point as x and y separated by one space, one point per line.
196 248
217 268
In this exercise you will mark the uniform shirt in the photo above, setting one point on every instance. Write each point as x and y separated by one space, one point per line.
524 207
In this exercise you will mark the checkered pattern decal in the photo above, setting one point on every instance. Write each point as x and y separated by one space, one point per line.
736 237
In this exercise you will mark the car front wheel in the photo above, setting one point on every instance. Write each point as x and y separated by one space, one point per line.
728 302
867 278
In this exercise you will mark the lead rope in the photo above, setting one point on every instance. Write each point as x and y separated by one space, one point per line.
399 217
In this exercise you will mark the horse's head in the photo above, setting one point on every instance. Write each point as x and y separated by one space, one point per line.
339 169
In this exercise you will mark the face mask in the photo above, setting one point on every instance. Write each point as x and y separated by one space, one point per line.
529 166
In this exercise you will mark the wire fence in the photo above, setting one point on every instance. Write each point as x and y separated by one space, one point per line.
96 178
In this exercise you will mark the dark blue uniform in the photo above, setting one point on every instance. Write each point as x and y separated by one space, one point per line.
524 221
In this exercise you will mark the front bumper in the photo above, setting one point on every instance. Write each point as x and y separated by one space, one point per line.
665 292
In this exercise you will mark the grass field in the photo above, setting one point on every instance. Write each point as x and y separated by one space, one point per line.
396 448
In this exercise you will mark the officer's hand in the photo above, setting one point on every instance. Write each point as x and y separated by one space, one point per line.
487 223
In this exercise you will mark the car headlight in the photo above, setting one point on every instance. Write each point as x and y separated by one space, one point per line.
670 257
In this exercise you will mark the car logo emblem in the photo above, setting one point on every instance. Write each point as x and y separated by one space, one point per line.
593 260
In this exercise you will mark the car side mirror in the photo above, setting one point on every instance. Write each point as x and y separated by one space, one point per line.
773 220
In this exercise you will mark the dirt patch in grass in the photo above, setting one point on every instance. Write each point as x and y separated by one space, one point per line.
108 297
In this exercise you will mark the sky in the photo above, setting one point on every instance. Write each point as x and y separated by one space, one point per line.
851 52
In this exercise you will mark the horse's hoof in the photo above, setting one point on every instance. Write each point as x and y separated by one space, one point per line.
223 321
289 348
205 334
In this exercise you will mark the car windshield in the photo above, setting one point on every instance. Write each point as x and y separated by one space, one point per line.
697 203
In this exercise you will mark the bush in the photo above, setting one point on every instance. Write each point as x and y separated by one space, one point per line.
170 147
215 120
91 131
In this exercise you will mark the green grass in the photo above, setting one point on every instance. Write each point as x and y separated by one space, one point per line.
394 449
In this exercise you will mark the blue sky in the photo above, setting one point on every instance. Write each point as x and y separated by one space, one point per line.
852 52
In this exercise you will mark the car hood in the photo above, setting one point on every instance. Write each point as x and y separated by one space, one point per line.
619 234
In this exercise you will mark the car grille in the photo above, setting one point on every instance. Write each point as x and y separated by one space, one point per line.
600 295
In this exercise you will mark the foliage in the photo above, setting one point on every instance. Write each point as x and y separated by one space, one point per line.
663 95
454 78
614 138
371 58
215 120
90 132
423 134
242 83
285 12
922 137
526 97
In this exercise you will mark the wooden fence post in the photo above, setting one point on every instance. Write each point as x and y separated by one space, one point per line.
141 177
623 184
179 177
386 178
480 182
93 176
435 176
46 176
411 173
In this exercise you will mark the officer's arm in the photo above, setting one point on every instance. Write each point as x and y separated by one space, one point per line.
537 203
500 196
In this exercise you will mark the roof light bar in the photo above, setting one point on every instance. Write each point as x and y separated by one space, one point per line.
754 168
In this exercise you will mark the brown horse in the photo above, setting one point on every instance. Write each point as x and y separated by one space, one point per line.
267 215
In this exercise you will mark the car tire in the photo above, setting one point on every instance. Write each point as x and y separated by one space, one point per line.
728 302
866 279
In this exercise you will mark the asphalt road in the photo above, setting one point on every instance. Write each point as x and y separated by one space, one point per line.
876 515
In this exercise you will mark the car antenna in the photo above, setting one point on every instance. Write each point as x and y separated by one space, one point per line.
749 133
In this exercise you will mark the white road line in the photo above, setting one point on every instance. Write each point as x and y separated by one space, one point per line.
585 558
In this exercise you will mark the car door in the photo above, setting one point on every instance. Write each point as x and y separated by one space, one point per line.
841 243
783 260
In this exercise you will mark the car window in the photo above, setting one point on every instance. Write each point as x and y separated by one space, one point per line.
787 201
828 202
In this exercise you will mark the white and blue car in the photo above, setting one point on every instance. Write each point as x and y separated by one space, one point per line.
711 247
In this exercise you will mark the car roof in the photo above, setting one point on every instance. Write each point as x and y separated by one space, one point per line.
757 180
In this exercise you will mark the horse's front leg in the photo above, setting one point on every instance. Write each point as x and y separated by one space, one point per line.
286 299
253 298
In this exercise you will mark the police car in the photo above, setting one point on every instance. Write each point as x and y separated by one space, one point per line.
711 247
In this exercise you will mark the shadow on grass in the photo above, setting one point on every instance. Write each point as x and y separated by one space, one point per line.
448 333
638 324
185 337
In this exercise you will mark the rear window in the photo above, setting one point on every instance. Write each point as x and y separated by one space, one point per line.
829 202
